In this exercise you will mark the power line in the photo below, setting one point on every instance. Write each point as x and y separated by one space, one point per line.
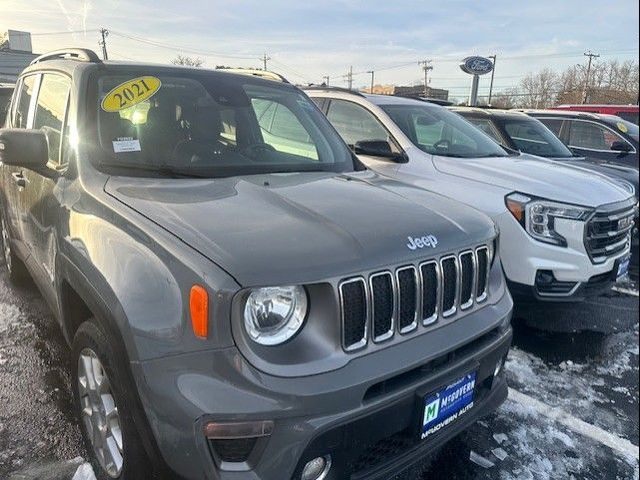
178 48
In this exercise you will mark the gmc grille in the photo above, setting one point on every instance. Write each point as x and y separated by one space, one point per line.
399 300
609 233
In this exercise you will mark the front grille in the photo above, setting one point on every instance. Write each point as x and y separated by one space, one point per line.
467 280
383 302
353 300
450 285
482 279
397 301
408 299
609 233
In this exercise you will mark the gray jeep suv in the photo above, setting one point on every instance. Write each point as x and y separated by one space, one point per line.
242 297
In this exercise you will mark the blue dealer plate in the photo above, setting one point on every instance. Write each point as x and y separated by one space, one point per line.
623 267
446 406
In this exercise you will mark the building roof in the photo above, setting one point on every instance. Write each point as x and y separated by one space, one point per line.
12 63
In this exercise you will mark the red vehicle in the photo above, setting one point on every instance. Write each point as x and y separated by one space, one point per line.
628 112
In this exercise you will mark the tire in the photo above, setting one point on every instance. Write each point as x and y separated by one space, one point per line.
100 388
15 267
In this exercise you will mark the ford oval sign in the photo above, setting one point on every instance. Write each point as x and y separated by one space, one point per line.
476 65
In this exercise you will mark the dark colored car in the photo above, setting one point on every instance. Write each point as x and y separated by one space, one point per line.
598 137
6 90
243 298
627 112
518 131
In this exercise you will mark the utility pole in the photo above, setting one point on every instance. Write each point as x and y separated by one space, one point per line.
426 66
585 92
493 71
350 77
326 80
264 59
371 89
104 33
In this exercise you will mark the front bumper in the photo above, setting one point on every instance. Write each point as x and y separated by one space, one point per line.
329 412
524 259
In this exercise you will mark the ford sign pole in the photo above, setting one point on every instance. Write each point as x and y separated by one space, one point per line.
475 66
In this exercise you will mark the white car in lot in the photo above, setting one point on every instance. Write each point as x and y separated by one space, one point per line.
565 232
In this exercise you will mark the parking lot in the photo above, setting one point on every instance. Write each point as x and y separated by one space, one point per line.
572 412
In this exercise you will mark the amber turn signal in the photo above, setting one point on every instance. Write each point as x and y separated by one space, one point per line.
199 309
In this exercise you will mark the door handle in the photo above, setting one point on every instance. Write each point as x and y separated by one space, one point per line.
19 179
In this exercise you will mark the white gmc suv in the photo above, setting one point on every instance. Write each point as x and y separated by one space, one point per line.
565 232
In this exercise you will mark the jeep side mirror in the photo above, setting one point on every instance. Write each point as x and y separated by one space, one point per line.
378 148
24 148
620 146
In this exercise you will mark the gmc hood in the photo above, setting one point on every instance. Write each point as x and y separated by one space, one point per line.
303 227
537 176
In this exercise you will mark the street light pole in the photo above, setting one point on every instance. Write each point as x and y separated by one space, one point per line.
493 71
326 80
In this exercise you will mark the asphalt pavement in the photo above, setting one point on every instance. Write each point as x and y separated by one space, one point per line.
572 411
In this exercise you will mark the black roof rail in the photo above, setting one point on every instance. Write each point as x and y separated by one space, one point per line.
328 88
80 54
436 101
266 74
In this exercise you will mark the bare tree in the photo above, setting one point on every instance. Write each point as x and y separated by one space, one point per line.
539 89
188 61
4 41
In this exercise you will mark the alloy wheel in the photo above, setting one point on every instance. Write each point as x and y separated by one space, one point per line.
6 245
99 413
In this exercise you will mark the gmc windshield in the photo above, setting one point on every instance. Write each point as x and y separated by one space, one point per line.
438 131
211 124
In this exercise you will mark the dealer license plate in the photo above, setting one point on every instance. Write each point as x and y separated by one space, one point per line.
447 405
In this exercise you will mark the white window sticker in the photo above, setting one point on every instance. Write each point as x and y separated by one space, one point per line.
126 144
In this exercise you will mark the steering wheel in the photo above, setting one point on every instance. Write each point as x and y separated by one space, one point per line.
442 144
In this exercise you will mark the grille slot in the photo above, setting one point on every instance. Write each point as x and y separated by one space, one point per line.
383 305
482 267
407 299
430 276
449 267
353 301
609 233
467 279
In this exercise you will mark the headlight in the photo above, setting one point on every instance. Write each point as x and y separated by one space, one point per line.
537 216
273 315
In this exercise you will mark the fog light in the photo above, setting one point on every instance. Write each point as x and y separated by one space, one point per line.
316 469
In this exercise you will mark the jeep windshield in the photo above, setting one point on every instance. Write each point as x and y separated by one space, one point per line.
179 122
438 131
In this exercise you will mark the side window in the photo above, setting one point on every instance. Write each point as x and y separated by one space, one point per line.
486 126
354 123
21 114
50 111
591 136
553 124
282 130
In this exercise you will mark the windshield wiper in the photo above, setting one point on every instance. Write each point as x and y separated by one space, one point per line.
162 170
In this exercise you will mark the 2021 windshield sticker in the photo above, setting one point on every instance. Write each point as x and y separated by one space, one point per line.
130 93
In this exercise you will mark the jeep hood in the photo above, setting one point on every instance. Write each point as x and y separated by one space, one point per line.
537 176
303 227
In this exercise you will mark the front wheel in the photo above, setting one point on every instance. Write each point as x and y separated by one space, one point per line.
106 418
15 268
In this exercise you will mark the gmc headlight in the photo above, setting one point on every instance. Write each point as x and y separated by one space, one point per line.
272 315
537 216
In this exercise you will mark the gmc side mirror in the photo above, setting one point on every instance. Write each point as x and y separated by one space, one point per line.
24 148
620 146
379 148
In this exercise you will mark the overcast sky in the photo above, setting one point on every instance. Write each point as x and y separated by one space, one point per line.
308 39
